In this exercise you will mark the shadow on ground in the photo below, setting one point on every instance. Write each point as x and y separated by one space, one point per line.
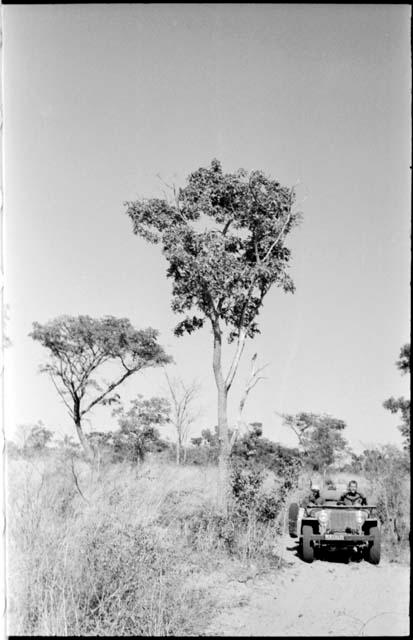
337 555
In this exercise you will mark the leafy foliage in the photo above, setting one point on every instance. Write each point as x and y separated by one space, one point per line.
80 346
388 470
32 439
138 432
225 270
252 450
403 363
320 438
402 405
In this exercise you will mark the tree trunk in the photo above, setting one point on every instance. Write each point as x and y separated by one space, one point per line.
178 450
78 424
224 453
223 456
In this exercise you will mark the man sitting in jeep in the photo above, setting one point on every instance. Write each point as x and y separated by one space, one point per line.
314 498
352 496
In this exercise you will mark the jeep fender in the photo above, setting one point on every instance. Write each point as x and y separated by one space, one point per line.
312 522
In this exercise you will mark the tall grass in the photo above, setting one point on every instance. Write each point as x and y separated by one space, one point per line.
133 550
88 557
125 550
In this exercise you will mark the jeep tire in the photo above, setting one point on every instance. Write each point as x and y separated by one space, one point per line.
373 552
307 548
293 519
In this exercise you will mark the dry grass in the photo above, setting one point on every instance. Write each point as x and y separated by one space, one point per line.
126 550
89 557
123 550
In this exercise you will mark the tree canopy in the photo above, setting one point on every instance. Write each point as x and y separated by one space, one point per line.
402 405
138 427
80 346
319 437
223 236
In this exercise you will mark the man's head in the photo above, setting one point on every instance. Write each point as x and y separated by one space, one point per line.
352 487
315 488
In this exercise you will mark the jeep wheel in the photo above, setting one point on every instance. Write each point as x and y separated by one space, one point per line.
308 549
292 519
373 553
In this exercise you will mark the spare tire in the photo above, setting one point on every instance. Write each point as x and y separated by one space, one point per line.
293 510
373 553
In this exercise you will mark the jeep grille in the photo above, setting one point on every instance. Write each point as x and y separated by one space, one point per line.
340 520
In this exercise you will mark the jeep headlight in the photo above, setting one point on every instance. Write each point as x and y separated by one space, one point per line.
360 517
322 517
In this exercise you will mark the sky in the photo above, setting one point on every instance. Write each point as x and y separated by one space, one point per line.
104 102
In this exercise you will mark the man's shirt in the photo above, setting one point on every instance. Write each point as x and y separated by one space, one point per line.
352 498
311 499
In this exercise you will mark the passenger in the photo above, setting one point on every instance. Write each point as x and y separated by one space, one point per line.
352 496
314 498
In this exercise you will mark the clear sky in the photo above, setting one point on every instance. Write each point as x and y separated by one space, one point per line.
99 99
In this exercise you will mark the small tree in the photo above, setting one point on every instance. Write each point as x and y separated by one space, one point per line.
138 432
184 414
222 271
33 438
319 436
402 405
80 346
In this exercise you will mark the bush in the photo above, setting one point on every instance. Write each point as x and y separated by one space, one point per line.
387 470
254 521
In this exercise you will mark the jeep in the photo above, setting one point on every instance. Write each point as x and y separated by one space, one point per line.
332 525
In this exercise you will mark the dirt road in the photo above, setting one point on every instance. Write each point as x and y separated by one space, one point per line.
327 597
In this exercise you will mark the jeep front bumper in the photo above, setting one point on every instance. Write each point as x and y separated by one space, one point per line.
340 538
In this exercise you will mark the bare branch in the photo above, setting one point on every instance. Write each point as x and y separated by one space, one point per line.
60 392
237 356
252 381
183 416
226 227
72 466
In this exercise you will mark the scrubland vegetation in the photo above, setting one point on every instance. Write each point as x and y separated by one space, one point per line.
131 548
126 550
124 533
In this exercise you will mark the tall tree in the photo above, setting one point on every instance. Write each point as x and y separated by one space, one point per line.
402 405
223 236
80 346
319 436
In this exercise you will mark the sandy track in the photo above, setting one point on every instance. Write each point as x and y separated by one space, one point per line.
327 597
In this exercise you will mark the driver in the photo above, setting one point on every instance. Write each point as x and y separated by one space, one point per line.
352 496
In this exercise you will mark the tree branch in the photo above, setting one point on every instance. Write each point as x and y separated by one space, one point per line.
237 357
60 392
252 380
110 388
267 255
72 466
